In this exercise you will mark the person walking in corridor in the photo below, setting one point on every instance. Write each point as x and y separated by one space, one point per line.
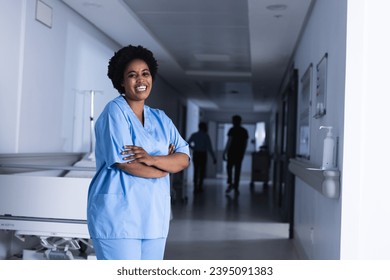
234 153
200 144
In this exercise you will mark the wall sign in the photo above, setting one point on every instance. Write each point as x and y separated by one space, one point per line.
304 113
320 100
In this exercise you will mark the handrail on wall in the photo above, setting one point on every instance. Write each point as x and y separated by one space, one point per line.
327 182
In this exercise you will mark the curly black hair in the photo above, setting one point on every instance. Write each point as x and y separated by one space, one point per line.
123 57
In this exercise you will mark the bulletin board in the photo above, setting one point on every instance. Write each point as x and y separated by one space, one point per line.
304 113
320 96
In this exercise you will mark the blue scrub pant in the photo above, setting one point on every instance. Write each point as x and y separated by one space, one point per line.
129 249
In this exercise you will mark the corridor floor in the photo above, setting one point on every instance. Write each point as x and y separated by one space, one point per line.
215 226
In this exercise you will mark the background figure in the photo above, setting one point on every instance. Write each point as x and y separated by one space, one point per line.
234 152
200 144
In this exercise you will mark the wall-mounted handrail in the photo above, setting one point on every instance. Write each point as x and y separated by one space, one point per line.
47 167
325 181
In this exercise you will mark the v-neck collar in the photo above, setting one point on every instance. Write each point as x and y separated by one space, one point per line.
126 107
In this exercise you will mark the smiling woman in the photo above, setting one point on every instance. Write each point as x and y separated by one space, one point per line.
136 148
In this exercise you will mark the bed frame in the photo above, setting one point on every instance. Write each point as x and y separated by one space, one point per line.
45 195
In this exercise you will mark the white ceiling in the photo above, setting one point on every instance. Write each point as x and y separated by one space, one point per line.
228 55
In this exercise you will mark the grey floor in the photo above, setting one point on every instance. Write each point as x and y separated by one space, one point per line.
216 226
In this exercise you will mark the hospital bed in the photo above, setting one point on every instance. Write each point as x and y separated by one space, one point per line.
45 195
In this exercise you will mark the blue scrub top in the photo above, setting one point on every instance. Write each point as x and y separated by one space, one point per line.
121 205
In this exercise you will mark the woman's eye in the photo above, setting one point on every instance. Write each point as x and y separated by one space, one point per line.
146 74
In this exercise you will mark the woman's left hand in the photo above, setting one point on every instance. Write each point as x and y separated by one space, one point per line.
171 149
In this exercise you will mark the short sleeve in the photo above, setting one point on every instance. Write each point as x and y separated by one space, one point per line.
181 146
112 134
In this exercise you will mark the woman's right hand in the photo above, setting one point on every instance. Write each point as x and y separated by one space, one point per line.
173 162
137 154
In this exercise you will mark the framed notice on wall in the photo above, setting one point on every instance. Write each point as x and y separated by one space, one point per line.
320 96
304 113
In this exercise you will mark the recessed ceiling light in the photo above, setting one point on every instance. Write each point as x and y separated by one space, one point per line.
212 57
277 7
91 5
225 74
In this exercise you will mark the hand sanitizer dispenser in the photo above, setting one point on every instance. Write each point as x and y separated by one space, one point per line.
328 152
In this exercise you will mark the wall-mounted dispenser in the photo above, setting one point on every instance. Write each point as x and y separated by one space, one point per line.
326 179
329 149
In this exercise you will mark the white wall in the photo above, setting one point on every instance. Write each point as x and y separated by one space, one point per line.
47 68
12 21
317 218
85 70
365 228
354 226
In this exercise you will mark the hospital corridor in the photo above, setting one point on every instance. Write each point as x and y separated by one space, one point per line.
214 225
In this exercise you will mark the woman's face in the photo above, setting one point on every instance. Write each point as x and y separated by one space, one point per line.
137 80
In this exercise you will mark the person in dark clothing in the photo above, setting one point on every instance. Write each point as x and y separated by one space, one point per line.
200 144
234 153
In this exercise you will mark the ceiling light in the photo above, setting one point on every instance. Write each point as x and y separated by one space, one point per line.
277 7
225 74
212 57
91 5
